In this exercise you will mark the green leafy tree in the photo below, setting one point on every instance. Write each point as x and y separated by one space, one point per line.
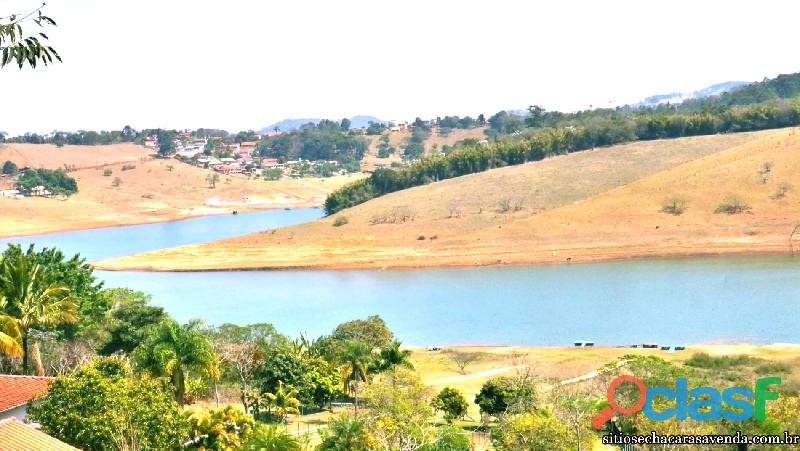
452 402
128 319
400 411
218 429
9 168
56 181
21 49
32 301
345 433
372 331
166 145
272 438
102 406
170 350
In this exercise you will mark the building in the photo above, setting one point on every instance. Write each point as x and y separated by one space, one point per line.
16 436
40 191
229 169
16 391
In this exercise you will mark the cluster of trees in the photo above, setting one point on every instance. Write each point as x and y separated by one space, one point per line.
598 128
56 181
327 140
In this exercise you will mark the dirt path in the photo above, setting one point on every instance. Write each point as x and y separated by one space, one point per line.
478 375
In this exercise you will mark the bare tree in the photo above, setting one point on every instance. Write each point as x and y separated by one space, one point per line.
242 358
463 359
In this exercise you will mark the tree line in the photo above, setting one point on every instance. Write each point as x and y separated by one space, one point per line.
547 135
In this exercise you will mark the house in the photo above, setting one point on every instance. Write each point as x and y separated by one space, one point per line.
40 191
229 169
248 146
270 163
12 193
16 391
151 141
227 160
15 435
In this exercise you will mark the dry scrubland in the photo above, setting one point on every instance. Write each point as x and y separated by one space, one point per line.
585 206
155 190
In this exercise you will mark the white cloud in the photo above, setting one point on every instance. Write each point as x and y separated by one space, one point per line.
243 64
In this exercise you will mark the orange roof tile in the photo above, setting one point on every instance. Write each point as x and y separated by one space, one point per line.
15 436
17 390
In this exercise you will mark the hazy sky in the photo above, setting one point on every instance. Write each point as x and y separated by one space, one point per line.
244 64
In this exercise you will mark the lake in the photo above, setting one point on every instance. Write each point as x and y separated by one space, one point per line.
678 301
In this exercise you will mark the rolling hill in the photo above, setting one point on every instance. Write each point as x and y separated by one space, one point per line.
585 206
154 190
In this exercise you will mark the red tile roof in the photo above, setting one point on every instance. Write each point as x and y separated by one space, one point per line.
15 436
17 390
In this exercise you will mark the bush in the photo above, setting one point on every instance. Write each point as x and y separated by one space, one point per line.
450 438
421 238
733 204
107 172
704 360
396 215
340 221
674 206
507 204
773 368
128 167
116 182
781 191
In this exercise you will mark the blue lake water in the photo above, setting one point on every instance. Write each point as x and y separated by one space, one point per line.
681 301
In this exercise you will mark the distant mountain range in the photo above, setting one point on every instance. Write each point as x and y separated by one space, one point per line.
287 125
678 97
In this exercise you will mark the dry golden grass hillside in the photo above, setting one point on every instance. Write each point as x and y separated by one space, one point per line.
155 190
585 206
398 140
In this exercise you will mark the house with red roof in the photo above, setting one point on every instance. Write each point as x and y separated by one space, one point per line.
16 391
17 436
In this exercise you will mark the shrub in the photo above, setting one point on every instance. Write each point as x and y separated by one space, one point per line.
674 206
107 172
340 221
764 171
781 191
421 238
773 368
704 360
732 205
128 167
116 182
507 204
396 215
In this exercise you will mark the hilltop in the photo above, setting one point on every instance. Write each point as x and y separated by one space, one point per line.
150 190
287 125
584 206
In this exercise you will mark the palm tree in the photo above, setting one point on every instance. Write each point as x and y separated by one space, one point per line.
357 357
284 400
170 350
392 356
10 336
31 301
345 433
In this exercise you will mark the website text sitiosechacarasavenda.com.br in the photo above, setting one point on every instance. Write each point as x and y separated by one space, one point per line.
668 439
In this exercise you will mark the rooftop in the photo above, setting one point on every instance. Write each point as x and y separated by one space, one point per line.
17 390
17 436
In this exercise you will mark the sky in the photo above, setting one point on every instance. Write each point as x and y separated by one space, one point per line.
240 65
